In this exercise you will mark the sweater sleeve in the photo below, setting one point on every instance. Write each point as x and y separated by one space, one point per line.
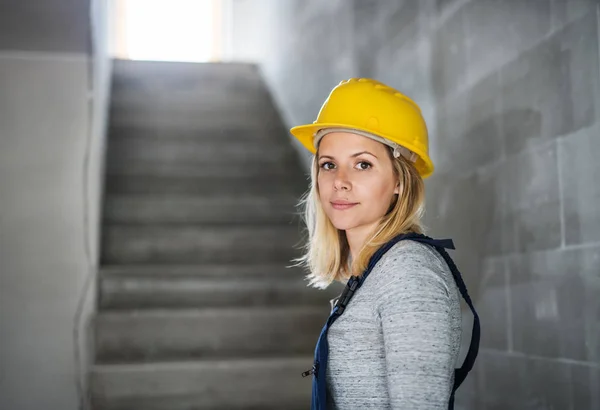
416 309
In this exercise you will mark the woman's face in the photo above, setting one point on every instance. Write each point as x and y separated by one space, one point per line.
356 180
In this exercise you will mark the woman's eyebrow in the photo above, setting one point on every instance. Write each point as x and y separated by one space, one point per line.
363 152
353 155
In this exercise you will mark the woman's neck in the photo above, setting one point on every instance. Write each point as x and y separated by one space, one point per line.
357 237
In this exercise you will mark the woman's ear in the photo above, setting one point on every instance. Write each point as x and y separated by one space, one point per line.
397 189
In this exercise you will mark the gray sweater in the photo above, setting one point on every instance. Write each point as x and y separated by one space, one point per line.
397 343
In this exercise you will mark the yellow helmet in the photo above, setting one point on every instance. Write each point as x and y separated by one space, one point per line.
372 109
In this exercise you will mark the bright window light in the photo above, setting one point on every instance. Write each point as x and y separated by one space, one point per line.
170 30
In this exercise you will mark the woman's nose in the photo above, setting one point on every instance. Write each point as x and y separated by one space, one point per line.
341 182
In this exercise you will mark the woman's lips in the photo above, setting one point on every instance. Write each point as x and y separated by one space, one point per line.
342 205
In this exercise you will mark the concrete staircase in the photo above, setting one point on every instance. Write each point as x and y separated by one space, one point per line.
196 309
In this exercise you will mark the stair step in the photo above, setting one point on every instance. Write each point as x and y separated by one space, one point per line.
153 335
194 156
169 184
197 103
197 150
187 80
225 134
238 73
205 271
189 244
258 103
223 169
192 118
229 98
244 384
242 209
164 292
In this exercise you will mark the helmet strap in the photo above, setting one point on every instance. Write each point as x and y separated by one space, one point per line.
397 149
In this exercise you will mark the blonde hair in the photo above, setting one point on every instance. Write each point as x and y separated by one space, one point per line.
327 254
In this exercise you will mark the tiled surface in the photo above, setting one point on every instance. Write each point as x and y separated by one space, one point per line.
552 89
565 11
511 206
467 394
502 378
580 173
478 198
441 5
492 305
584 391
469 128
555 303
390 22
532 200
449 55
496 34
514 382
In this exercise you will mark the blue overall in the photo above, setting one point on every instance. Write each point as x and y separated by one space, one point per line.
319 369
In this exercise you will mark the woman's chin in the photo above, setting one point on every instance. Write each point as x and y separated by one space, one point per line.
342 224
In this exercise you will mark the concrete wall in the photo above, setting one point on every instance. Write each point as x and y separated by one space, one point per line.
52 107
510 91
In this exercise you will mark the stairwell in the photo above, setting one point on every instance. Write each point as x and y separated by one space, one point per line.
196 309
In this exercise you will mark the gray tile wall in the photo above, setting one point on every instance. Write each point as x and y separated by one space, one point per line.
511 93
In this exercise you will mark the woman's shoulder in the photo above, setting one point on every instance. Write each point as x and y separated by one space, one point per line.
413 252
411 261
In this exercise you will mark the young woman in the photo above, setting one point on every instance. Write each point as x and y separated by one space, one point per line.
393 338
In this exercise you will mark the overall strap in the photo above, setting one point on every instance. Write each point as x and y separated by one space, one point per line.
440 245
461 373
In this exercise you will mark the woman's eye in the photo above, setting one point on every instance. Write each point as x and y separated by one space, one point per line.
363 165
327 165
